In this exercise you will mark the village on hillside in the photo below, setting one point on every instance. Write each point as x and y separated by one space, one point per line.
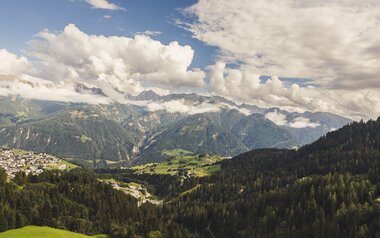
15 160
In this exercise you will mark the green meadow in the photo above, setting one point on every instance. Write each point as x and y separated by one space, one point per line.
43 232
182 160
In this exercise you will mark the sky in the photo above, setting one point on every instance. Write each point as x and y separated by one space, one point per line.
298 55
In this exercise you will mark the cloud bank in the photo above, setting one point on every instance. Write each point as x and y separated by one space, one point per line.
124 63
181 106
336 41
242 84
281 119
302 122
118 66
34 88
11 64
335 44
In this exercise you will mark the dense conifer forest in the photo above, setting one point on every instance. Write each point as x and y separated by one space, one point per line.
330 188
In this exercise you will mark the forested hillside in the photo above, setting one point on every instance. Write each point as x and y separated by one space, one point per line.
328 189
77 201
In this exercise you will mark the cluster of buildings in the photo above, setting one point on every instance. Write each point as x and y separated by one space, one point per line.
14 160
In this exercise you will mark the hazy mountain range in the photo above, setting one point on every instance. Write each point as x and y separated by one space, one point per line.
139 130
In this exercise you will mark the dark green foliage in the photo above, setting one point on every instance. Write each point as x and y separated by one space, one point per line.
77 201
328 189
3 177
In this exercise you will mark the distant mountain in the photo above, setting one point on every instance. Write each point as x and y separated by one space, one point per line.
307 127
147 96
140 131
258 132
193 98
82 133
17 110
201 133
227 132
81 88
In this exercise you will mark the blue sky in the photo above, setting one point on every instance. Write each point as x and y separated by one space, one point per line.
20 20
293 54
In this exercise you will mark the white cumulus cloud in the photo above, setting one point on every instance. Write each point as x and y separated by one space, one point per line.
30 87
104 4
117 65
335 42
182 107
244 85
149 33
277 118
302 122
281 119
126 64
11 64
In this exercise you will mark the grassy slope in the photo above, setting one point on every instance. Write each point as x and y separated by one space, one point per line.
198 166
43 232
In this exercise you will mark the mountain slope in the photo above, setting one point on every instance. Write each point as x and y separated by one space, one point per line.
258 132
226 133
15 110
74 133
355 136
330 188
200 133
140 132
307 127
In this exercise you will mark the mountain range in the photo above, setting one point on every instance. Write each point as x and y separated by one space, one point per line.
330 188
140 129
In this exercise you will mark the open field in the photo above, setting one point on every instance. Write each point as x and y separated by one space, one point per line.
43 232
184 163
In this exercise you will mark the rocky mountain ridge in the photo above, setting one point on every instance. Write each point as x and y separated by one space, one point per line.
114 134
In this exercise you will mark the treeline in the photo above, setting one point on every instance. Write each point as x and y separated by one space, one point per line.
328 189
77 201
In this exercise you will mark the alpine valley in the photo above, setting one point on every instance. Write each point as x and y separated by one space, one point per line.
330 188
190 119
140 130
